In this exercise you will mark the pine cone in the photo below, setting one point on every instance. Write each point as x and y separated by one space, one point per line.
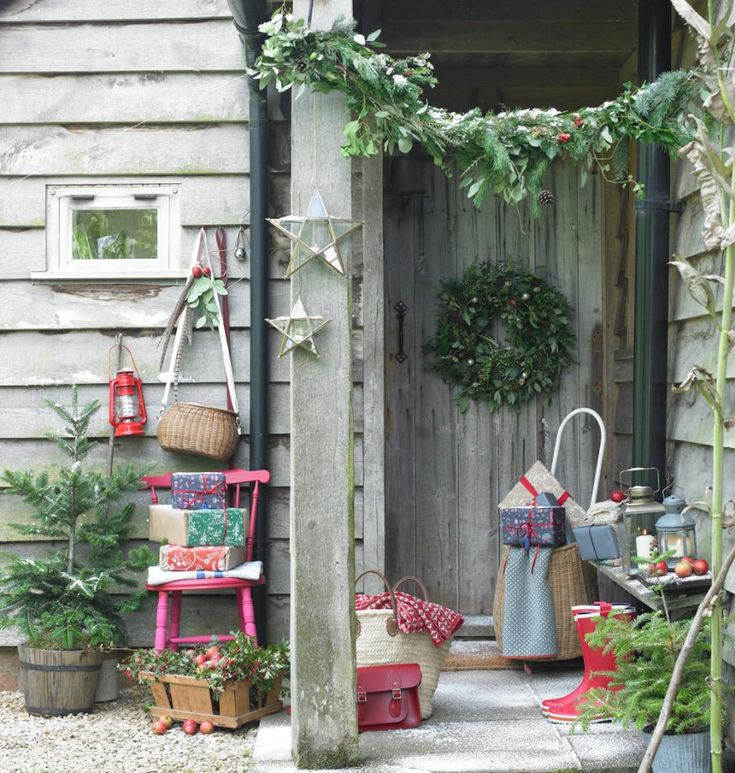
545 198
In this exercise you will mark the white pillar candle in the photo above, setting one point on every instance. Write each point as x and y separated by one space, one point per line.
644 545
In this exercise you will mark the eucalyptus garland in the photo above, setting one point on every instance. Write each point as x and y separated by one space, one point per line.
465 350
506 153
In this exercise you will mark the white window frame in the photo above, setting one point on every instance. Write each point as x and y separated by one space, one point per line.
62 201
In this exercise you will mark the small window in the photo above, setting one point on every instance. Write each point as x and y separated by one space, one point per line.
112 231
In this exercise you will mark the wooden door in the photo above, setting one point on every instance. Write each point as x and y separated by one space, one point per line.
446 471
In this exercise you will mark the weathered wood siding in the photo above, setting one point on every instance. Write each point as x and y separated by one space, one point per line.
135 91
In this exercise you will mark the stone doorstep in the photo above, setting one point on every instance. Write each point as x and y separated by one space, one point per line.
484 722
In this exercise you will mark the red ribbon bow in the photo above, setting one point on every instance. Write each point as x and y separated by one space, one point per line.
526 483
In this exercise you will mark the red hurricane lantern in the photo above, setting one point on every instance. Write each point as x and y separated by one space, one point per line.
127 406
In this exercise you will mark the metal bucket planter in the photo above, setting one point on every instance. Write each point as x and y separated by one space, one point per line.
108 688
688 753
59 682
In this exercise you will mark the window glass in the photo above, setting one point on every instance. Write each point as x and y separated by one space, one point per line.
114 234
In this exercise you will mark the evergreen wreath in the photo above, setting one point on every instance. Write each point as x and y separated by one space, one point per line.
465 351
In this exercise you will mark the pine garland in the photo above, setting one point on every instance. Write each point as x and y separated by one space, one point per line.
505 153
464 350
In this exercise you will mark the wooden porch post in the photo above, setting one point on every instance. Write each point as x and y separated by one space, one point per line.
324 719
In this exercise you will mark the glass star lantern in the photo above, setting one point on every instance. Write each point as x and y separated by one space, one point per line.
316 235
298 329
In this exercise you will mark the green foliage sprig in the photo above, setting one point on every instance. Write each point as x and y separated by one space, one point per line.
507 153
239 660
64 599
645 651
465 350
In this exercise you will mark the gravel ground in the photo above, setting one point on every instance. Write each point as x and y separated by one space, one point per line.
115 738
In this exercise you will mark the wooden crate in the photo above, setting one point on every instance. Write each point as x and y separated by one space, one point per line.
184 697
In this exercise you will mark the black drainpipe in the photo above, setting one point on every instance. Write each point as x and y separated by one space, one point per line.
650 387
247 15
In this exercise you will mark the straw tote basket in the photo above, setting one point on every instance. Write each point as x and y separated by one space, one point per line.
192 428
379 641
572 581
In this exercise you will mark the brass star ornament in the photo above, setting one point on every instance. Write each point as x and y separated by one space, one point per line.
316 235
298 329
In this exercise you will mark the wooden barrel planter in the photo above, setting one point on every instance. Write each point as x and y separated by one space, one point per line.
184 697
59 682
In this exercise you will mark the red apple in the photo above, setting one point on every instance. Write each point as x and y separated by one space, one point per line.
190 727
159 728
206 270
212 651
166 721
617 495
206 727
197 271
700 566
658 569
201 659
687 559
683 569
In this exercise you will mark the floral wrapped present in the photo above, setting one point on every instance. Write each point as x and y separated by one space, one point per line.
198 491
178 558
540 524
197 527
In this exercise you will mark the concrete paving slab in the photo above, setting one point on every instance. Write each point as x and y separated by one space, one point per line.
483 722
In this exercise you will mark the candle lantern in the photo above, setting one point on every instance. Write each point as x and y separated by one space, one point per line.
127 407
676 531
640 515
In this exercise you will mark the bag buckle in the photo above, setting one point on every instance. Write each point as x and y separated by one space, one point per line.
396 693
361 696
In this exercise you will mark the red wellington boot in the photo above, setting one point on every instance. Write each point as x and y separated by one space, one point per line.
565 709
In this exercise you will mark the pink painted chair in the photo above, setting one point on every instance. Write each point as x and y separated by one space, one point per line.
167 635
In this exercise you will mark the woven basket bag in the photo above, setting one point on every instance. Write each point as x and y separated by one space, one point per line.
572 581
191 428
379 641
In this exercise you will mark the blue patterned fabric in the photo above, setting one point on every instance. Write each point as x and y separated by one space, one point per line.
529 628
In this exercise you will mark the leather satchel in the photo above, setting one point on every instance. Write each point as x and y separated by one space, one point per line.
388 696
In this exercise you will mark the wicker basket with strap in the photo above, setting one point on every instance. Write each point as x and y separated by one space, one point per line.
379 641
192 428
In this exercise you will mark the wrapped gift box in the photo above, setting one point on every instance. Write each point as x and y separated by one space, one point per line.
539 479
198 490
178 558
534 525
193 528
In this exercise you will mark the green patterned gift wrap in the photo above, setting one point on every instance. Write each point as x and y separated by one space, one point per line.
192 528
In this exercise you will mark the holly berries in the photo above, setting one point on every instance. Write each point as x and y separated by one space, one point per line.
578 120
563 138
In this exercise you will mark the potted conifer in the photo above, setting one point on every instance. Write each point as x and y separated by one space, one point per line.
62 602
646 651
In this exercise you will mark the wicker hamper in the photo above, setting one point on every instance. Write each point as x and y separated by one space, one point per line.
572 581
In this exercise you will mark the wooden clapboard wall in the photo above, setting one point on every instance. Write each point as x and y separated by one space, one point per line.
133 91
446 471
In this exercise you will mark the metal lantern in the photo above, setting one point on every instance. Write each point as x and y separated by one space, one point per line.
127 406
676 531
640 515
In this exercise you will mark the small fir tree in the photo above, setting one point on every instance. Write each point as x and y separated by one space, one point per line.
64 599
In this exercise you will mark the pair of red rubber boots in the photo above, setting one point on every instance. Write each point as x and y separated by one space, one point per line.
586 618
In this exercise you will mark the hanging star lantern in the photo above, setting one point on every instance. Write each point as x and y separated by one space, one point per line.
316 235
298 329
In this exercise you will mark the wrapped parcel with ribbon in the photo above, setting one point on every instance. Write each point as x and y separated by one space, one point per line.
541 523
